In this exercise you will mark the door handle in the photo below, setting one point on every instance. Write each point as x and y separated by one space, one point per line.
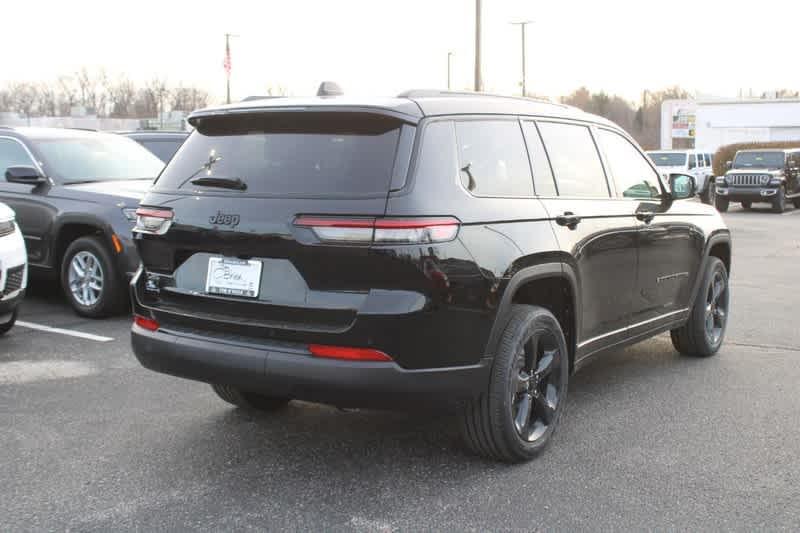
645 217
568 219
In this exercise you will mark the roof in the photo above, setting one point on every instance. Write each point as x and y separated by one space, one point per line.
155 135
784 150
49 133
412 105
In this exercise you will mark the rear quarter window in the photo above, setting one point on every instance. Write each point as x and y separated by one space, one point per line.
492 157
301 154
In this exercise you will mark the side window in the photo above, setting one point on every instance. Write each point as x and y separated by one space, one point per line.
708 159
692 162
543 182
700 162
12 154
576 163
634 176
493 159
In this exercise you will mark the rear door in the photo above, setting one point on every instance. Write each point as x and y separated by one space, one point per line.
591 224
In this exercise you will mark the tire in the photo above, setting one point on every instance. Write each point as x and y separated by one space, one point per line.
710 196
796 203
721 204
696 338
5 328
747 205
514 420
111 298
249 400
779 202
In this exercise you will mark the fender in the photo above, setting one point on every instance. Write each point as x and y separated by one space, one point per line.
719 236
528 274
64 219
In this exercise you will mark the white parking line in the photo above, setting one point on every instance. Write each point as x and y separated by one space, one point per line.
79 334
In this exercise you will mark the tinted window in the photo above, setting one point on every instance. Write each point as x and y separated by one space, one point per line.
668 159
708 159
12 154
493 159
634 176
758 160
542 174
164 150
291 154
576 163
97 157
700 162
692 162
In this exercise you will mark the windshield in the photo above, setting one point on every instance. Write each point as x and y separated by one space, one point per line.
98 157
666 159
758 160
292 154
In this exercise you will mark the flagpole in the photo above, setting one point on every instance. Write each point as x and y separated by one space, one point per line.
227 65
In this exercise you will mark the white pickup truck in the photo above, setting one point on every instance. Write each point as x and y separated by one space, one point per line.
693 162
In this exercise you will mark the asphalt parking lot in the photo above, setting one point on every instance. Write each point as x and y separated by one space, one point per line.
91 441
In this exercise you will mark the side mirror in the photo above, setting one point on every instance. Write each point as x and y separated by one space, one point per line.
729 165
24 175
681 186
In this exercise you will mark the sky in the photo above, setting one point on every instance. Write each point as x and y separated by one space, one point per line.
379 47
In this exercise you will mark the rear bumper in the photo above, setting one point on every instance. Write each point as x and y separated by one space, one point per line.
290 371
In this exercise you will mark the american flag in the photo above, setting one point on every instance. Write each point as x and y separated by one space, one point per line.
226 64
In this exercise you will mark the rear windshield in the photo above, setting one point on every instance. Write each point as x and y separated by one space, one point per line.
299 154
665 159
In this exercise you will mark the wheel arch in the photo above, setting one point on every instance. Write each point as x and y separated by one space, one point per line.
718 245
70 228
552 285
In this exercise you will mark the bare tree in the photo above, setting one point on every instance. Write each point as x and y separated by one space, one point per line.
24 98
67 95
188 99
158 93
91 88
6 103
48 99
121 96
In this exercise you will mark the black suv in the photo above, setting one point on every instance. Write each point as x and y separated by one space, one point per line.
761 176
433 250
75 195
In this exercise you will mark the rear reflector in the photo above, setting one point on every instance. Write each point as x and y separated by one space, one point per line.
153 221
145 323
347 354
364 230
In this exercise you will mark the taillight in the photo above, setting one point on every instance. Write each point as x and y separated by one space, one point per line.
347 353
153 221
380 230
146 323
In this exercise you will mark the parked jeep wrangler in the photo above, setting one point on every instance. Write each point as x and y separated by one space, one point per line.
761 176
439 250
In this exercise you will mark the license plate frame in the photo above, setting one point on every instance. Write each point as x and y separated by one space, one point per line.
231 276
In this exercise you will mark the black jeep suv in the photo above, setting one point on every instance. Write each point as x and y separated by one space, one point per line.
434 250
761 176
75 195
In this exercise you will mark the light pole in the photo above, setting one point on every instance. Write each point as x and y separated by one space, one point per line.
478 80
449 55
522 25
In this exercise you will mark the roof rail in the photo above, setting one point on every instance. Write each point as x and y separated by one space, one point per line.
429 93
80 129
7 127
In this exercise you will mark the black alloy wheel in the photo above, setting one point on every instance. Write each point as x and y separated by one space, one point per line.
747 205
779 201
704 331
536 385
516 417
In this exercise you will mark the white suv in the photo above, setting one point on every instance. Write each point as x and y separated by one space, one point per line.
693 162
13 268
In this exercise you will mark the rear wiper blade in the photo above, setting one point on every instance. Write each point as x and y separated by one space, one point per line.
222 183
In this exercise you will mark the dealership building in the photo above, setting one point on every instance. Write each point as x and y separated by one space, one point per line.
709 124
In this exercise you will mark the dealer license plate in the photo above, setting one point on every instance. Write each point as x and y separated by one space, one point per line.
233 277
